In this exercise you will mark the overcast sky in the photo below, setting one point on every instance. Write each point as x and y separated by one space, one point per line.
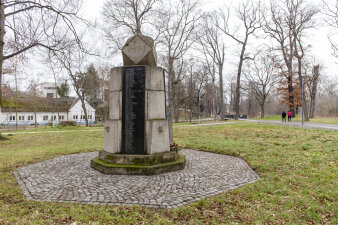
320 46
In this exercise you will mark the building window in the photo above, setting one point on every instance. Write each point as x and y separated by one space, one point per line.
75 117
83 117
61 117
45 117
21 117
11 118
53 117
30 117
90 117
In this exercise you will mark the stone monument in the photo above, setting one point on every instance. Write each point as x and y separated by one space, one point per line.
136 133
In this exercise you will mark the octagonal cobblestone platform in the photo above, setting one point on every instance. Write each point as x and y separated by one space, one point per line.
70 178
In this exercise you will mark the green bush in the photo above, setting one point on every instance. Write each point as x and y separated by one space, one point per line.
3 138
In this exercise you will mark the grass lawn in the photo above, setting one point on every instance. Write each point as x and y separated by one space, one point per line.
54 128
297 169
328 120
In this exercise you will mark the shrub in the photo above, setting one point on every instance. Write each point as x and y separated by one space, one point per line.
3 138
67 123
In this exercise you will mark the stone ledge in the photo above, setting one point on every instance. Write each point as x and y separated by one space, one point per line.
119 169
143 160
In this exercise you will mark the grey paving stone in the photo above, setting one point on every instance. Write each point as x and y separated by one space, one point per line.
70 178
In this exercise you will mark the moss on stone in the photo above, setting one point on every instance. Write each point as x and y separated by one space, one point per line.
138 169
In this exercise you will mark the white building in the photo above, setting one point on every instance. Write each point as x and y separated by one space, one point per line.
48 89
45 111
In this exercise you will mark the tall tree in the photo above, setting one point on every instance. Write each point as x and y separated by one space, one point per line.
301 19
72 60
177 26
63 89
262 78
36 23
277 27
214 48
286 23
90 86
249 13
33 92
312 84
331 19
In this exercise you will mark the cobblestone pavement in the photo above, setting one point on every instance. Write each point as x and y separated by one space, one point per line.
69 178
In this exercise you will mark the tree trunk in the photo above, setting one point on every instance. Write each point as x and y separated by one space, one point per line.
171 98
213 107
35 120
304 106
262 109
238 83
2 43
290 90
198 107
220 72
313 91
176 115
84 110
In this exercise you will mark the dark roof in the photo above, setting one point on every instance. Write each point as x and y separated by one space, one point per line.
28 104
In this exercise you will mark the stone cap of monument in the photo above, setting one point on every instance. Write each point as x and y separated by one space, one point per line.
139 50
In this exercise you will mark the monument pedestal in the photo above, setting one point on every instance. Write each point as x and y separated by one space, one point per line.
136 134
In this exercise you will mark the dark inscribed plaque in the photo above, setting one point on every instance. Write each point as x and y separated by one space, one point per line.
133 103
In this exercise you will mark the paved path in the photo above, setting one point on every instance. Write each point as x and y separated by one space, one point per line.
206 124
69 178
299 124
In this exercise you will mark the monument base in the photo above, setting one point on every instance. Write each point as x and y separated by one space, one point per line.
127 164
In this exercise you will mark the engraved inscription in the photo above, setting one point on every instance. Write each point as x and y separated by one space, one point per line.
133 103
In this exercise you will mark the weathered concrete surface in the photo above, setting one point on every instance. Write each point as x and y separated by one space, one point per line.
154 79
115 82
157 136
112 136
69 178
146 160
156 105
154 169
139 50
115 105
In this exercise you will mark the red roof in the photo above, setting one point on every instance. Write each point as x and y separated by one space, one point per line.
4 90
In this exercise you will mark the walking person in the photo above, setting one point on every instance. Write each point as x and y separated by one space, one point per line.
289 116
283 116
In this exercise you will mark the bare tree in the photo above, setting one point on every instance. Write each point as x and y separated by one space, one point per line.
287 23
72 59
35 23
123 18
277 27
312 84
177 26
301 19
249 14
262 78
33 92
214 48
211 80
201 77
332 20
